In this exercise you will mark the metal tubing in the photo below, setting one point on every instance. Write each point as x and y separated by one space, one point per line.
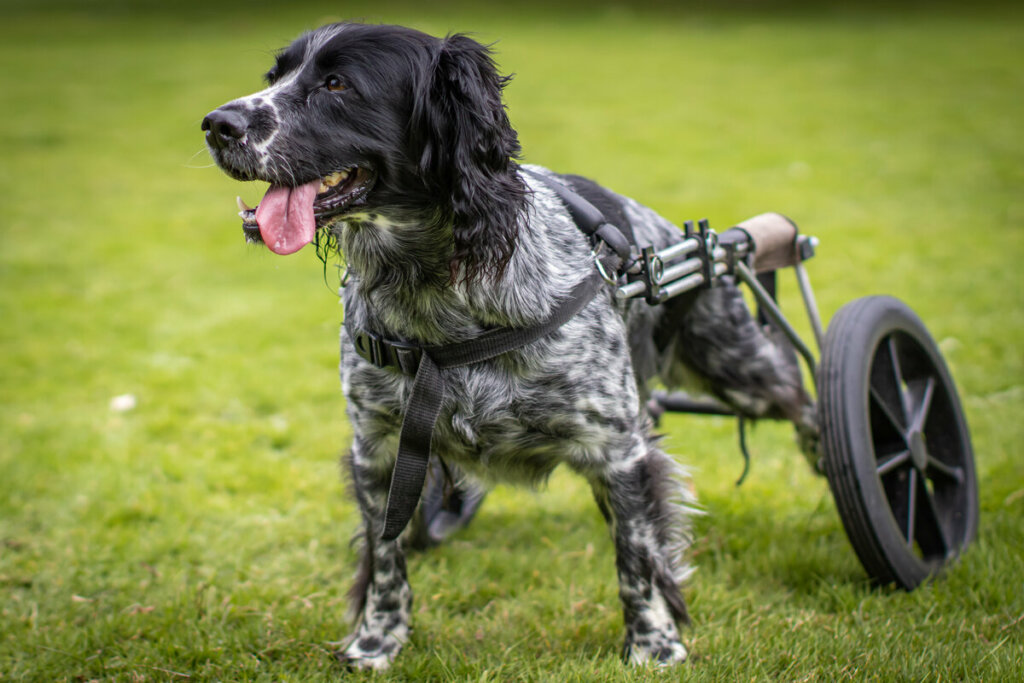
682 403
631 290
690 265
676 250
670 252
692 282
679 286
810 304
772 310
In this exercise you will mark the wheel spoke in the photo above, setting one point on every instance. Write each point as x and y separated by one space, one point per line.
892 462
886 385
920 403
937 466
887 410
931 535
897 372
911 506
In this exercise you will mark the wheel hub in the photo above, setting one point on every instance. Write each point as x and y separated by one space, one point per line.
918 450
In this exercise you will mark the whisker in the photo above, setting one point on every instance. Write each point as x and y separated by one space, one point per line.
189 164
290 171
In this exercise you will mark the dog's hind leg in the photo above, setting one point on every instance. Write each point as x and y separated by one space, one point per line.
758 377
380 599
645 500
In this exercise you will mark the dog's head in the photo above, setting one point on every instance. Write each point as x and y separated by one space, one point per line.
363 120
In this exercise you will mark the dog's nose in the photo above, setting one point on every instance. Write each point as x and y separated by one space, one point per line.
223 126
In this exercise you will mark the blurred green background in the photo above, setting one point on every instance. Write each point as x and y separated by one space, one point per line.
203 533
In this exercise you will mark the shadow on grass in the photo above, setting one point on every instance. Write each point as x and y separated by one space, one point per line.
796 553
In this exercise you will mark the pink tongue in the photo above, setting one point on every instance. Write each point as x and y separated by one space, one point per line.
285 217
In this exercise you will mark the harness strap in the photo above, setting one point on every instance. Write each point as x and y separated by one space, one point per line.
428 389
590 221
414 447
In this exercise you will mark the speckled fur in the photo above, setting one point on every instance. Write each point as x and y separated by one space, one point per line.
454 239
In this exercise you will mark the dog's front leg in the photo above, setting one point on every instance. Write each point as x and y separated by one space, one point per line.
643 499
381 599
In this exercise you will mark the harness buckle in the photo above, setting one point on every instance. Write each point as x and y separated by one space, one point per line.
385 353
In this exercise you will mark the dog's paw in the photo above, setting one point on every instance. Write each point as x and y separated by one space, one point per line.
666 653
808 438
370 652
367 663
658 646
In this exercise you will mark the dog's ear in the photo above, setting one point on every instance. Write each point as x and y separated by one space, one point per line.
466 150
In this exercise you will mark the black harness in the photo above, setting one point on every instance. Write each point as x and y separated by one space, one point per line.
427 362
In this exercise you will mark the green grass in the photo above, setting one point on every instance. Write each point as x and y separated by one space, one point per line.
204 534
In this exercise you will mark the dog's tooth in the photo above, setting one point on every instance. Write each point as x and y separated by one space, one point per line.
333 180
246 212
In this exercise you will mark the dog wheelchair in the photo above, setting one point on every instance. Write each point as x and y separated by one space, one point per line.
894 442
895 445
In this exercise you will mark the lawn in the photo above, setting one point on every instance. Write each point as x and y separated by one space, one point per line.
203 533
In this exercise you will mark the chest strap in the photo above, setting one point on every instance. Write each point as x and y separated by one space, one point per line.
426 364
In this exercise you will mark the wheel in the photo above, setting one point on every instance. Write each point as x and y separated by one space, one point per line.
897 452
444 508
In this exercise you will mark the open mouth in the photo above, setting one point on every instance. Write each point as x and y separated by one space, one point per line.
340 190
287 218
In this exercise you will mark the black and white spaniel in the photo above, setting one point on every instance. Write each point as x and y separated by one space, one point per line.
394 147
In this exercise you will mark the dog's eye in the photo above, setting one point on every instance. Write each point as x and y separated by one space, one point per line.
334 84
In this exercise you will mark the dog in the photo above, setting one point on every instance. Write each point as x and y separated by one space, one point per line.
393 149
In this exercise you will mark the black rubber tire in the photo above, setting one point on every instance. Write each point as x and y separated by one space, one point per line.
897 451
